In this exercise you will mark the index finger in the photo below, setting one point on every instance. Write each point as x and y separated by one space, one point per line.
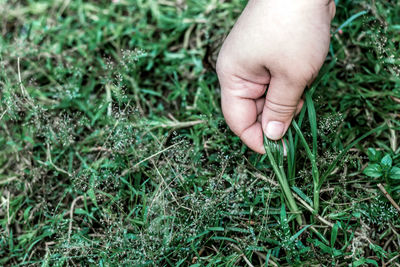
238 102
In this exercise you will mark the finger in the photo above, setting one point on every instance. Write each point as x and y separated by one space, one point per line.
260 105
241 86
299 106
239 101
259 116
241 116
282 101
332 9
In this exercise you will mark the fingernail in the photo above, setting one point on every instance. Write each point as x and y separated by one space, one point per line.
274 130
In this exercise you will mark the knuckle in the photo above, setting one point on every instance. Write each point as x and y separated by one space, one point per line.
303 77
221 65
283 110
218 67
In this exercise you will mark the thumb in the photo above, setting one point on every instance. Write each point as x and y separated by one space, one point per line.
282 102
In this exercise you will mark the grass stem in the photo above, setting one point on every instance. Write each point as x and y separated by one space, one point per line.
278 157
315 173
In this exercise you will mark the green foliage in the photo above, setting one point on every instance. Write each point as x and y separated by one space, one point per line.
114 151
289 242
382 167
378 212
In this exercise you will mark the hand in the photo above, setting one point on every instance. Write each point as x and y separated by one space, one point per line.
275 44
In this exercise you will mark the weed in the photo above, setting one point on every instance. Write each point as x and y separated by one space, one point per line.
114 151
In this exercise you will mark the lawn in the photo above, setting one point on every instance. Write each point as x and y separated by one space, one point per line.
114 150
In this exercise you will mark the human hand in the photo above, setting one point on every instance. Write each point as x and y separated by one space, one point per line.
275 44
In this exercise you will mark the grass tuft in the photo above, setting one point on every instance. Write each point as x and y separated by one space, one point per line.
114 150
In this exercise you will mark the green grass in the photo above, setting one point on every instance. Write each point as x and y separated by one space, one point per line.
114 150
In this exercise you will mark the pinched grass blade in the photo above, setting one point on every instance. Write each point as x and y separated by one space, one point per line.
275 156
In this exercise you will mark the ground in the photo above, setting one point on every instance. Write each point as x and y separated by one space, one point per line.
114 150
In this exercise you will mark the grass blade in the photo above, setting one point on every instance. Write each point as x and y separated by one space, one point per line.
296 235
334 234
275 154
302 195
315 173
291 157
350 20
312 117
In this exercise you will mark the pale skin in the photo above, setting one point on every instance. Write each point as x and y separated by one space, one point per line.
278 47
